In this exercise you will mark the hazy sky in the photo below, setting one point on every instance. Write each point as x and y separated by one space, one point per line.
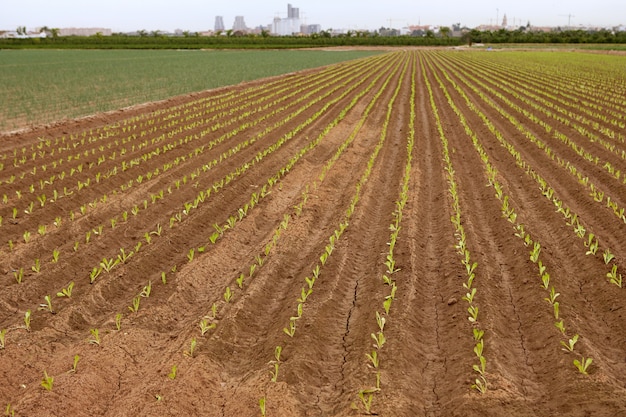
199 15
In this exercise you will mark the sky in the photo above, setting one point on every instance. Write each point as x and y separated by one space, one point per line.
199 15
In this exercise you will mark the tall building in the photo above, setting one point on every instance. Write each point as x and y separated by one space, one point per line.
219 23
504 21
293 12
239 24
288 26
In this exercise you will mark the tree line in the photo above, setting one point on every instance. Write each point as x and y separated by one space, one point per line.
156 40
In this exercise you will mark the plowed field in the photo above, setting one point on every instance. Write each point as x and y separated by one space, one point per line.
419 233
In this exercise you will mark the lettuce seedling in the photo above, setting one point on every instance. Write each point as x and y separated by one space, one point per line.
583 364
95 337
47 381
569 346
172 374
74 364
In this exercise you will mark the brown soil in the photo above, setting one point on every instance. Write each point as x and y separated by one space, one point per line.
328 122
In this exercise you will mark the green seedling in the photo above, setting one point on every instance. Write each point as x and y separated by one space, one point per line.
556 310
373 358
123 256
146 290
47 381
108 264
66 292
478 334
205 326
192 348
380 320
304 294
478 349
480 368
95 337
387 304
583 364
534 254
387 280
390 263
379 338
118 321
323 258
608 256
469 297
27 320
561 326
37 267
163 278
135 307
262 406
367 396
47 305
569 346
545 279
553 295
55 256
480 385
3 333
292 328
310 282
213 311
191 254
19 275
9 411
275 363
228 295
473 311
298 312
74 364
172 374
240 280
614 277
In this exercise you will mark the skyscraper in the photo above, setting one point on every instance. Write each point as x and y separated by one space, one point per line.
239 24
288 26
219 23
293 12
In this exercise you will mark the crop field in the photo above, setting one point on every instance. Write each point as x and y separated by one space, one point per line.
415 233
42 86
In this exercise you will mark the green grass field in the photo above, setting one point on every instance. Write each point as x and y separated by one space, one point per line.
40 86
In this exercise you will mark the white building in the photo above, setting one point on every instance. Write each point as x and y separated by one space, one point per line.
288 26
84 31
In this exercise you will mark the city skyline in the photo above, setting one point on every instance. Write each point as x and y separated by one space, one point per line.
197 15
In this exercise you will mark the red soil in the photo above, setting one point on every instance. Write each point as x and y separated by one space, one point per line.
426 362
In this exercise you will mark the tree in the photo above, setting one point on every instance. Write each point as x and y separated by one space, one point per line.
55 32
445 32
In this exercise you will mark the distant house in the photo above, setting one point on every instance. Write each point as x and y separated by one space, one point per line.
12 34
